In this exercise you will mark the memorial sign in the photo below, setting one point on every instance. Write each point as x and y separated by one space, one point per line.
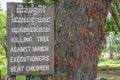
30 38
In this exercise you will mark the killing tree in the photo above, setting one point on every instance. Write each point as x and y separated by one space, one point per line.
79 37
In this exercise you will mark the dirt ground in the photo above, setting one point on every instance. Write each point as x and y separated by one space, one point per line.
110 74
115 72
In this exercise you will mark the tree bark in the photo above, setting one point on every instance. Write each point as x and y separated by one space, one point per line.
79 37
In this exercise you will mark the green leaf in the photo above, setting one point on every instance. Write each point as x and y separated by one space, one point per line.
26 1
37 78
38 1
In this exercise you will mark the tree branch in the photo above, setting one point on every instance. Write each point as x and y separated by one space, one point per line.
115 16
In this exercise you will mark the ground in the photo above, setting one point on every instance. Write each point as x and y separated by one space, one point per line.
113 74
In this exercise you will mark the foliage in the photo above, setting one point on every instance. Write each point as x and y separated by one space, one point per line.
115 12
116 6
113 41
2 31
37 78
110 25
102 59
112 28
3 61
3 71
20 77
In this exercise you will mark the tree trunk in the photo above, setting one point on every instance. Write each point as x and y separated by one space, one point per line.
79 36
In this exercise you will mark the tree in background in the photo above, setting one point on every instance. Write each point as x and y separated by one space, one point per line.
112 28
114 9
